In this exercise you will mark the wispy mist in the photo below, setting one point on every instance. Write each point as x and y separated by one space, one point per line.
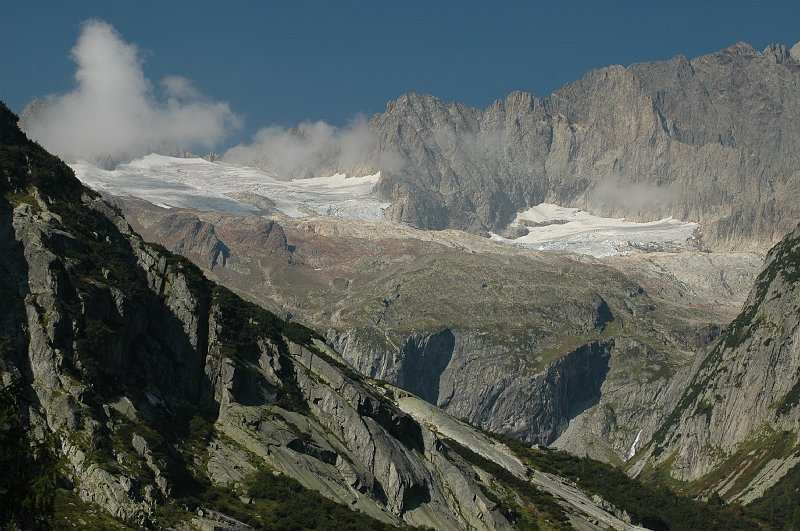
615 194
114 112
314 149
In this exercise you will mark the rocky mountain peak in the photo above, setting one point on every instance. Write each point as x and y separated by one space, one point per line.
519 98
778 52
411 100
795 52
741 48
715 134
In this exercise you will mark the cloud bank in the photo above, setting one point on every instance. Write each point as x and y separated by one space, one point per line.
114 113
314 149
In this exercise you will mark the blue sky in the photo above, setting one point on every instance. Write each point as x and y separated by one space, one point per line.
287 62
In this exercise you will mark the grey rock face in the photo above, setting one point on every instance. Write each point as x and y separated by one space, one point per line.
472 379
738 412
417 366
642 388
712 140
198 236
198 239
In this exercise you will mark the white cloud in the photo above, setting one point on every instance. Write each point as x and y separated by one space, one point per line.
313 149
114 111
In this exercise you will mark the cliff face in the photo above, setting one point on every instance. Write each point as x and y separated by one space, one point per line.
712 140
735 429
157 386
473 379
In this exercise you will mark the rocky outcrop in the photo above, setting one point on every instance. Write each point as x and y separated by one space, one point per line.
735 429
208 240
218 243
190 234
642 388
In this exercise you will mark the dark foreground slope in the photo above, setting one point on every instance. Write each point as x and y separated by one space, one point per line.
136 392
121 361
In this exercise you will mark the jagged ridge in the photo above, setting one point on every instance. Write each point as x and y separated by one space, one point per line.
710 140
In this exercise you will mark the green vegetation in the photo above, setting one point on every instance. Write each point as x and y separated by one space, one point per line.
19 198
540 510
70 512
270 501
26 166
98 252
344 368
568 343
282 503
792 398
195 279
779 504
30 471
655 507
243 324
267 501
745 464
783 259
92 340
297 333
705 409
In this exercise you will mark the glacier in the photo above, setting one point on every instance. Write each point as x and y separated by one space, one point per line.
557 228
195 183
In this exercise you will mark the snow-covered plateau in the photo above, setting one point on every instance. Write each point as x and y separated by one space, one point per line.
195 183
